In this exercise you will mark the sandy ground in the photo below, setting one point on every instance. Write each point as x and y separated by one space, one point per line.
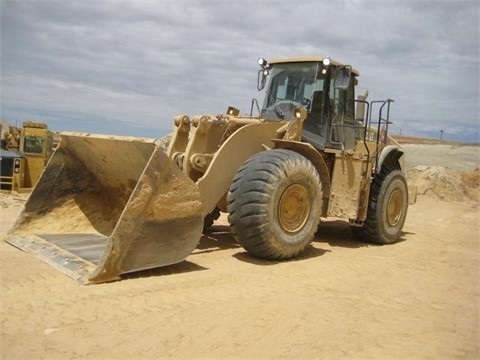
418 298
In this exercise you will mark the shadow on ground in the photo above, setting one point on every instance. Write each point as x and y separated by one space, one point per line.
336 233
180 268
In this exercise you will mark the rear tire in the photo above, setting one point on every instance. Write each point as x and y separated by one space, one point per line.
387 209
274 204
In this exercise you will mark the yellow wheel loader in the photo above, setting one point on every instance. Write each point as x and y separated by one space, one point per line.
108 205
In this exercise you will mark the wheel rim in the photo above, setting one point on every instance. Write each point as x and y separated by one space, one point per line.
294 208
394 208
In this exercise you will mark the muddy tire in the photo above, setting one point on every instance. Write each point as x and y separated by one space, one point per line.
274 204
387 209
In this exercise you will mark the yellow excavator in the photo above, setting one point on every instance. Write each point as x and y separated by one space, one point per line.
108 205
27 150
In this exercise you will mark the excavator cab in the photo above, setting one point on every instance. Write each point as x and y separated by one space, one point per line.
325 88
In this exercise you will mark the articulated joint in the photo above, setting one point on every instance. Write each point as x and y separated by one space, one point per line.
177 158
182 123
204 122
201 162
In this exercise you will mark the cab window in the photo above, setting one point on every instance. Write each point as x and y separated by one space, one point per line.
33 145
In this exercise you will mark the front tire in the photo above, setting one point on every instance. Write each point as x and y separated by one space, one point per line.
387 209
274 204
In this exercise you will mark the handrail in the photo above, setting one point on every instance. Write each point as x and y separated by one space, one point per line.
254 101
382 124
379 122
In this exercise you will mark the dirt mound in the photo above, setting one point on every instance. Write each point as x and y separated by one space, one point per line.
446 183
13 199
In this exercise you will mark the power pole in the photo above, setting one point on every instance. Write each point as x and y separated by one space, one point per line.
441 135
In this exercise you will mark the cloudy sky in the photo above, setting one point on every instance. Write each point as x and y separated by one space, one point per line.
128 67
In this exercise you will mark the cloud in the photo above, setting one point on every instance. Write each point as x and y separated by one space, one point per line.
84 64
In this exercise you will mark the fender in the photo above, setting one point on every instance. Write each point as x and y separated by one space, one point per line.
391 153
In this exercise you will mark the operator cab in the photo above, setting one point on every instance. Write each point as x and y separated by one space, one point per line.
323 87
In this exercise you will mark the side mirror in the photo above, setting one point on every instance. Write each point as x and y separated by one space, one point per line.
261 79
262 74
342 77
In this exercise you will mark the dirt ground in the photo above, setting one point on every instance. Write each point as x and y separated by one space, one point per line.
418 298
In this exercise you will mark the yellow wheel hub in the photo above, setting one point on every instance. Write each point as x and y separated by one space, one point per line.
394 208
294 208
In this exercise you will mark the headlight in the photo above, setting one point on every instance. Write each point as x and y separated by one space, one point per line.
262 62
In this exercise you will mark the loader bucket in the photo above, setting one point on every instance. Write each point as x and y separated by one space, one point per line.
106 206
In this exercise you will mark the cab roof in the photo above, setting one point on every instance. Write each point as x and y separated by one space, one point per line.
311 59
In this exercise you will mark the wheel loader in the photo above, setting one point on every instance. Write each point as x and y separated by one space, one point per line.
109 205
